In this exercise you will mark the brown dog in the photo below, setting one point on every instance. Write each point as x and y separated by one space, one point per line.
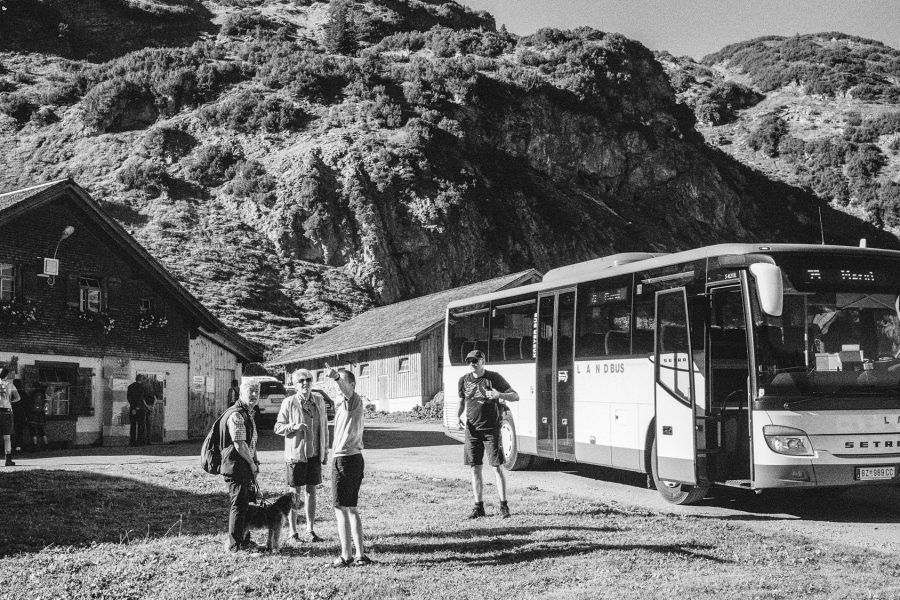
271 518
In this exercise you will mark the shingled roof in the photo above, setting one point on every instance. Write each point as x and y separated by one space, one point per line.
396 323
17 202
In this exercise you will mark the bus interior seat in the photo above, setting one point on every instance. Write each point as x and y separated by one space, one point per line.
617 342
512 348
496 350
527 347
642 341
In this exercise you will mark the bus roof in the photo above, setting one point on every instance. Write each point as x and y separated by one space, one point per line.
621 264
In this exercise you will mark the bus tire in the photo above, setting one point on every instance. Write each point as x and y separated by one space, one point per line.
512 458
675 493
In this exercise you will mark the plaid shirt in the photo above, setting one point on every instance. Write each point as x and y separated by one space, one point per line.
238 431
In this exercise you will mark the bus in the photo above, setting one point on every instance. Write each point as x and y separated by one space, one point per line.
754 366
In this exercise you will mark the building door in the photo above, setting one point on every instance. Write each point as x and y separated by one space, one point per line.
156 385
555 362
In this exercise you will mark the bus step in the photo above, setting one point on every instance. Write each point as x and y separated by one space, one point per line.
741 483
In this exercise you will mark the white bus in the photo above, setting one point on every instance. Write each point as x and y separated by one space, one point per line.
752 366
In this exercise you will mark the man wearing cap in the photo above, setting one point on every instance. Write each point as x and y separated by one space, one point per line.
482 394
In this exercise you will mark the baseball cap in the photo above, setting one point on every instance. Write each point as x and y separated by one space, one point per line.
478 354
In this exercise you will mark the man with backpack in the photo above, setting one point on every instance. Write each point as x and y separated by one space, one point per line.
240 463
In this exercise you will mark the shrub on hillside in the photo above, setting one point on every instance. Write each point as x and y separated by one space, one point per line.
167 142
118 105
145 175
768 134
252 181
718 105
865 162
18 106
248 22
44 116
341 35
213 164
6 85
304 73
250 111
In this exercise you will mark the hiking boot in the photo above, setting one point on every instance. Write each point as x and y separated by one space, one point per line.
477 512
9 461
504 510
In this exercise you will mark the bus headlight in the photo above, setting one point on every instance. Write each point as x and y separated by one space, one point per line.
787 440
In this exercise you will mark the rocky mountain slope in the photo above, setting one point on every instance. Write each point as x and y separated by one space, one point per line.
821 112
295 162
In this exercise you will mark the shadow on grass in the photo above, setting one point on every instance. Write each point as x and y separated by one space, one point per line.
509 545
386 438
71 508
875 504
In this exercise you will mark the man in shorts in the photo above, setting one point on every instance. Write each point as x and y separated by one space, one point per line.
8 396
303 422
347 469
482 394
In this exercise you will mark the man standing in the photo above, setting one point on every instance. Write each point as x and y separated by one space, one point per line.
482 394
234 392
135 395
347 468
8 396
239 463
149 399
303 422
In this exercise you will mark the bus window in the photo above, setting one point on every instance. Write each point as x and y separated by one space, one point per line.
644 321
604 319
468 331
512 322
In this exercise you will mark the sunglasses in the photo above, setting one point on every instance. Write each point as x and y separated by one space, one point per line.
305 380
473 361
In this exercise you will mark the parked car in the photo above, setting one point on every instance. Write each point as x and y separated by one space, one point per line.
329 403
271 393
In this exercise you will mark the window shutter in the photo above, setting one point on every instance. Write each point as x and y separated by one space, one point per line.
72 290
112 294
84 397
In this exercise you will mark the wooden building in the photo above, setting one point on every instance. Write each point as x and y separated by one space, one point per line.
395 351
84 309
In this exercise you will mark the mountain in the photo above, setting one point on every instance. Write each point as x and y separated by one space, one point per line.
821 112
296 163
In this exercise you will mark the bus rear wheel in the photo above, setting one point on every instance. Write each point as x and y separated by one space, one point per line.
512 458
674 492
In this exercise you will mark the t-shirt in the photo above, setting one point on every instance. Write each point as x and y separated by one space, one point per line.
481 412
7 391
135 395
348 427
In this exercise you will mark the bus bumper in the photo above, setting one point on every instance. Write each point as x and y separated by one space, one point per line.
815 475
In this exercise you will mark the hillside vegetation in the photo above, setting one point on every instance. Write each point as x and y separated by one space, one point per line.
824 115
294 163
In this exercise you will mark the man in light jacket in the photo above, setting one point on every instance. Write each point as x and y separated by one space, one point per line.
303 422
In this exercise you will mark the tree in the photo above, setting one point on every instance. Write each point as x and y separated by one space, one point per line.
340 30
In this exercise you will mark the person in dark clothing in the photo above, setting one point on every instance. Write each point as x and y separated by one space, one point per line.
234 392
149 402
37 416
482 394
240 464
136 410
20 416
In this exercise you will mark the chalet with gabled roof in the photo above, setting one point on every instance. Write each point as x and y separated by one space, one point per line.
84 308
395 351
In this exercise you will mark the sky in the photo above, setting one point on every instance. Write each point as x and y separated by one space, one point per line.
699 27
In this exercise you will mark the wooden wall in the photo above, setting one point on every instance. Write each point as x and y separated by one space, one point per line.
432 350
208 396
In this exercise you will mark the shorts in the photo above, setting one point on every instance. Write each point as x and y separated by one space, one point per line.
346 477
479 440
297 474
6 422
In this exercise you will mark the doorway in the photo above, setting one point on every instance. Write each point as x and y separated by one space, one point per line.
555 369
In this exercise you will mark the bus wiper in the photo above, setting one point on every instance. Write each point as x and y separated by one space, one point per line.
810 398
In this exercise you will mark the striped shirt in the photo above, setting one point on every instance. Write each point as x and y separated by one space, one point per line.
238 430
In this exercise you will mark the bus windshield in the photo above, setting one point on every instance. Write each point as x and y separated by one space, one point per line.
839 332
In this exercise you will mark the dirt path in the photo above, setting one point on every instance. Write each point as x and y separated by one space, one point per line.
867 517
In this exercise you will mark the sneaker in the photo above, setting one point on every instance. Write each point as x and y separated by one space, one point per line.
9 462
477 512
504 510
312 537
340 562
362 561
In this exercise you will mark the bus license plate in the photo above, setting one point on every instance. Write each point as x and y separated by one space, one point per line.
869 473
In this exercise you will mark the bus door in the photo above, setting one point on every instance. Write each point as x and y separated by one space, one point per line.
555 370
729 373
677 425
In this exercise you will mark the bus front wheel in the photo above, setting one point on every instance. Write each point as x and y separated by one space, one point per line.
512 458
671 491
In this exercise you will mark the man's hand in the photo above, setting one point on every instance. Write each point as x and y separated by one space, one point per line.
298 426
254 468
331 372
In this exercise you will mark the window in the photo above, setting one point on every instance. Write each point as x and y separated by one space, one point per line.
60 385
364 370
604 319
468 331
512 330
320 376
7 280
403 363
90 294
146 305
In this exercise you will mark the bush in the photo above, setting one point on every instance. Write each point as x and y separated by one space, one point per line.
18 106
767 136
167 142
119 105
250 111
248 22
145 175
44 116
252 181
865 162
433 409
341 36
213 164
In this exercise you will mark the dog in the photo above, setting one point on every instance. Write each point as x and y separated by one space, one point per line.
271 517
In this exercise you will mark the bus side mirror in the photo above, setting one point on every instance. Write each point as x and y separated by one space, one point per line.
769 288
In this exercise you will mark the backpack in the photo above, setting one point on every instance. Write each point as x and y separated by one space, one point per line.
211 449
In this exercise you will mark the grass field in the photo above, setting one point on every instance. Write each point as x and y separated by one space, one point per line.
158 532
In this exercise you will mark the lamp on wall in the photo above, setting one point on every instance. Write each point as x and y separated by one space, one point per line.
51 265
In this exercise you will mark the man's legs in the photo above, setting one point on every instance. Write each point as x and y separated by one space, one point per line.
356 531
501 482
7 448
132 431
310 509
292 515
477 483
148 414
239 496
